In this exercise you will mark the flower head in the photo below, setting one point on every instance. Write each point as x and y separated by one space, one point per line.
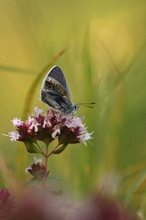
48 126
38 171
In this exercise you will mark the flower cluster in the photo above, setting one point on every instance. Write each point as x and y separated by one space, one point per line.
46 127
38 171
6 204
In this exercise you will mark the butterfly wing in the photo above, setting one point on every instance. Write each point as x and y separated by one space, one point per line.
55 101
57 74
56 93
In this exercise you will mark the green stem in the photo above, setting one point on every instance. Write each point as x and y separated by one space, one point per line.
53 150
46 157
41 149
46 154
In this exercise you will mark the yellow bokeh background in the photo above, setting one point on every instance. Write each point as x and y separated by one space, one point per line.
103 61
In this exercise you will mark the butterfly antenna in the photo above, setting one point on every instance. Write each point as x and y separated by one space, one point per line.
89 104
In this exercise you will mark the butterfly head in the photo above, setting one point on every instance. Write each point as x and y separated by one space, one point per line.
71 110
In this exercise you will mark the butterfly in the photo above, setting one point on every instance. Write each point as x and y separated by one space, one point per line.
56 94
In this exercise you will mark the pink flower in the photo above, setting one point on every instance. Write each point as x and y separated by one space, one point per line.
14 136
47 127
16 122
6 204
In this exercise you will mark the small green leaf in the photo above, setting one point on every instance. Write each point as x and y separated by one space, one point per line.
58 151
52 179
31 148
31 183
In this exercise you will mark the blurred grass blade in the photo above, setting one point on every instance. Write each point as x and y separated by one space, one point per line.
15 69
33 87
130 193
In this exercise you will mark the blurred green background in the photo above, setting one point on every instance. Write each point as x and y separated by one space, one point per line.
104 61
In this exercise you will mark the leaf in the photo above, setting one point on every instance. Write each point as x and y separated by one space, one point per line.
58 151
52 179
35 182
31 148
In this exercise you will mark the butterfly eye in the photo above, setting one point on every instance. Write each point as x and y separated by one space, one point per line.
76 107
